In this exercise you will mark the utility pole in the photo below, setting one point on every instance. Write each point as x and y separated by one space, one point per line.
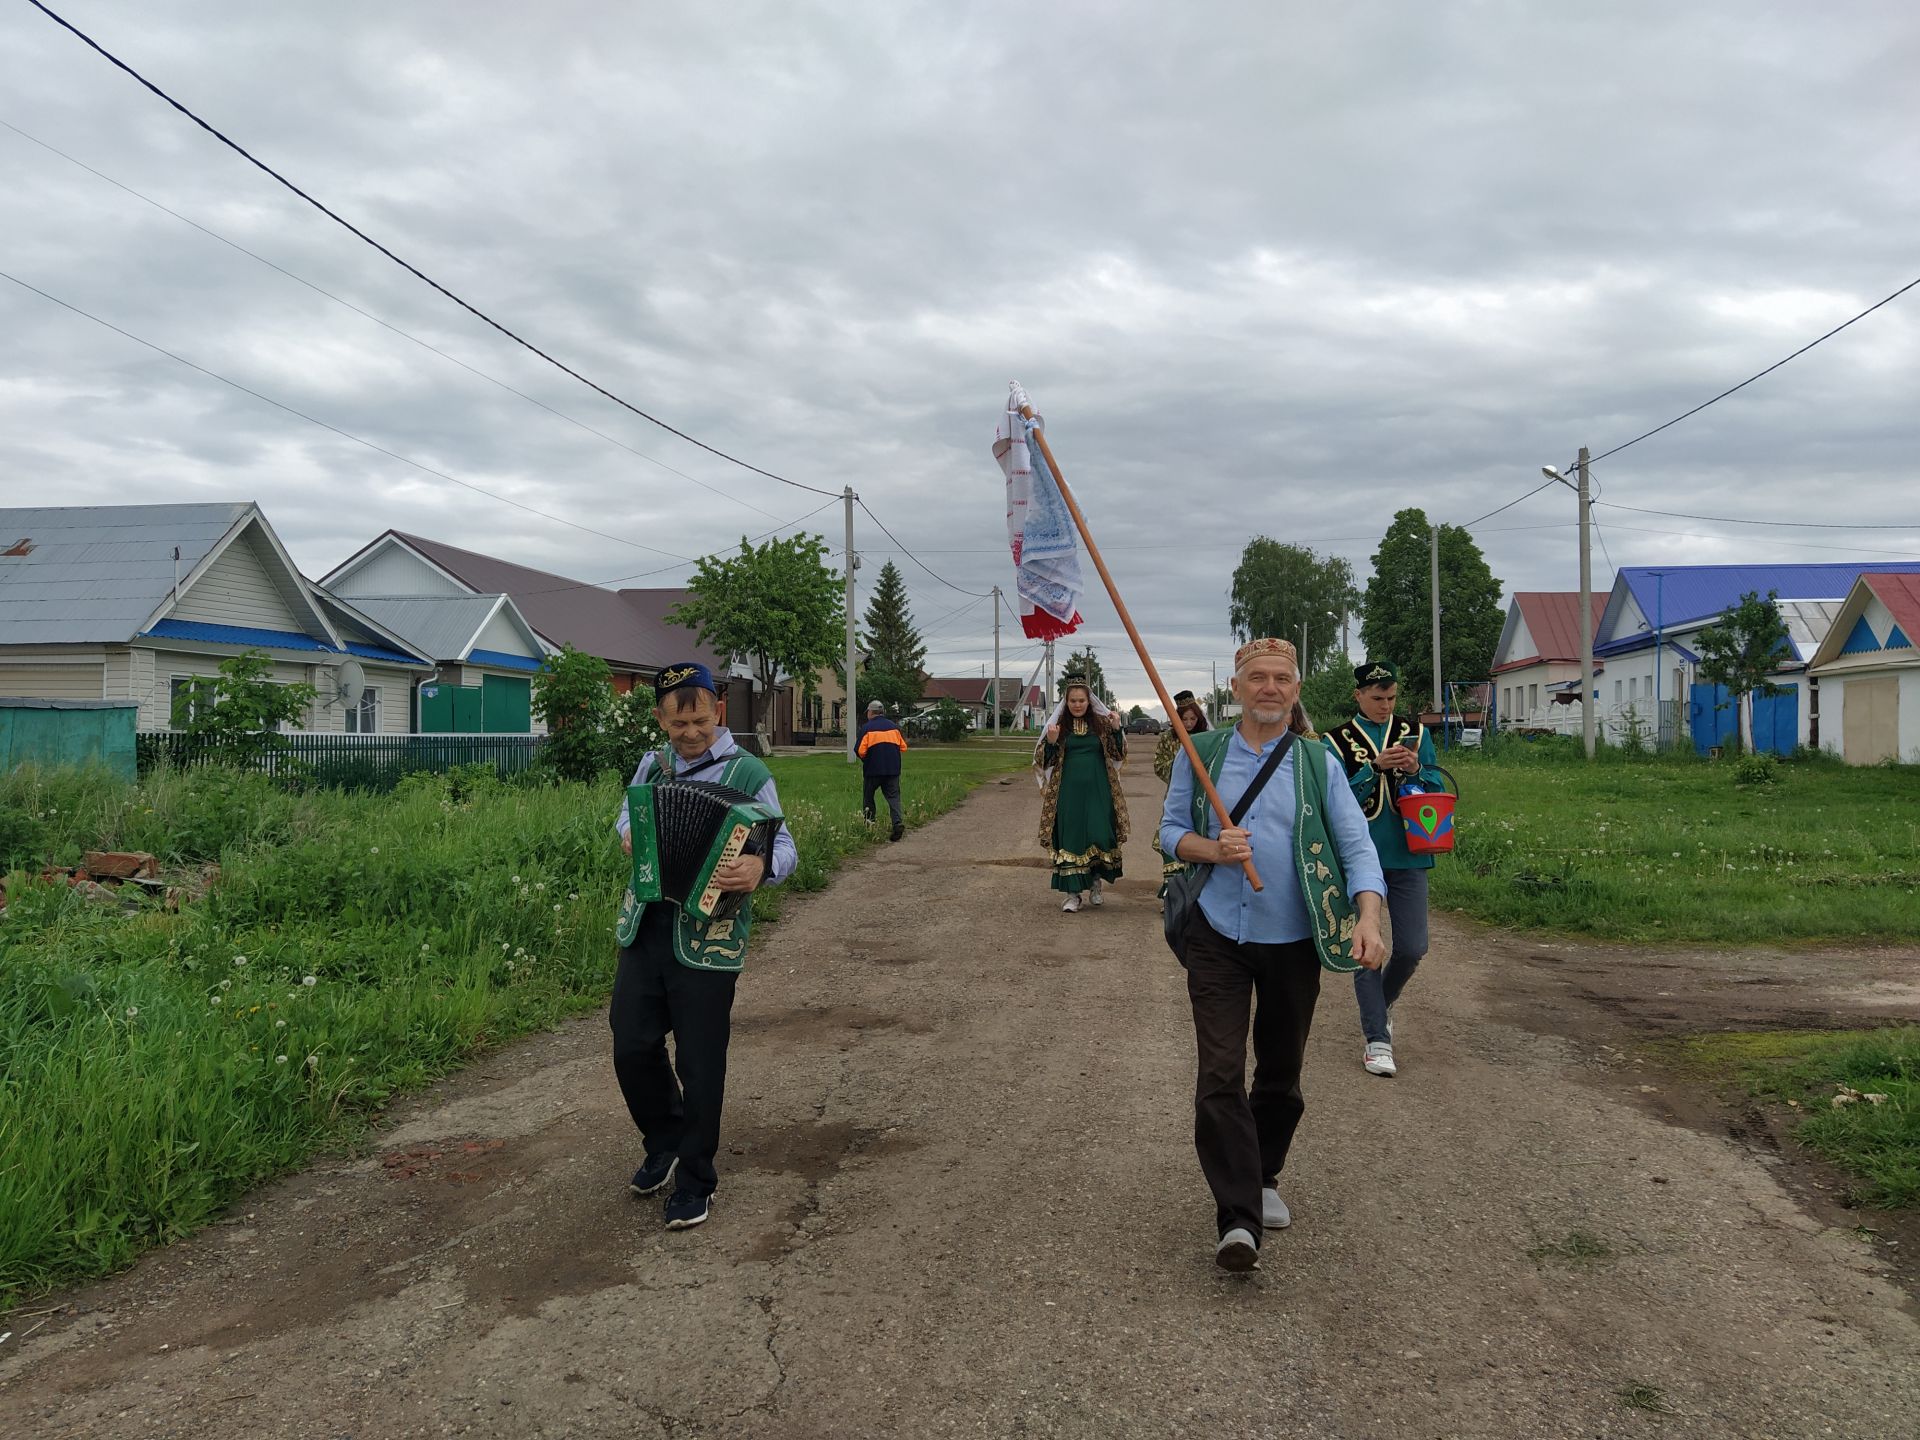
853 715
1303 650
1439 691
1213 697
1050 695
1587 698
996 662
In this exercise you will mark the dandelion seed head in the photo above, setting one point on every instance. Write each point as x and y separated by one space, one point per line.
309 980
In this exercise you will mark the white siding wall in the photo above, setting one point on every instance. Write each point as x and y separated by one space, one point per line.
395 687
156 702
238 589
396 572
53 682
500 633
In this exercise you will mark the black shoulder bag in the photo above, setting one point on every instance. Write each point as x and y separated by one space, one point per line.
1183 888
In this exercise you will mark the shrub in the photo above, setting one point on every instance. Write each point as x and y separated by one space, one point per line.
1755 770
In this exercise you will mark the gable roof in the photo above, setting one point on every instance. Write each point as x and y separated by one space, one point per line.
962 689
630 634
1850 633
1552 619
106 574
443 627
1677 597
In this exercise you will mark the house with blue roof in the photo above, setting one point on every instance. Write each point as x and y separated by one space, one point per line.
130 603
1648 640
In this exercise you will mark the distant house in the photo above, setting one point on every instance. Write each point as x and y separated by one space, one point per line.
132 602
626 628
971 692
485 656
1536 665
1649 634
1866 673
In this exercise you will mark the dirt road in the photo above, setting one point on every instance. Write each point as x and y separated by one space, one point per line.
959 1198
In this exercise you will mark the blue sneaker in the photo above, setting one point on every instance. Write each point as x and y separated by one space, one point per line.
654 1174
686 1210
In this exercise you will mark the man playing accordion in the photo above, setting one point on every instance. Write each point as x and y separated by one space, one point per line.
677 972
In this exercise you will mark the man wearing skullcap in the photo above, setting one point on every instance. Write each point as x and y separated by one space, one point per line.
1320 907
676 973
1381 752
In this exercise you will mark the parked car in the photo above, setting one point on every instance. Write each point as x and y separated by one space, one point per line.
1144 725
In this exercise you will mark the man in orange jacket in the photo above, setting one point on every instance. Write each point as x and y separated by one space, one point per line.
880 745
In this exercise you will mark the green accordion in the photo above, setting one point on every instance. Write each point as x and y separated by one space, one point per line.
684 832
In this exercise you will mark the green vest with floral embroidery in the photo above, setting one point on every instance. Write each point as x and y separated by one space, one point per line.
701 944
1315 861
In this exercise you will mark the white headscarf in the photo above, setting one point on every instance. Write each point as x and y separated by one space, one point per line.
1095 706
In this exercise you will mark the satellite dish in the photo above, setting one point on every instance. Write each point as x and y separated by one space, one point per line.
350 679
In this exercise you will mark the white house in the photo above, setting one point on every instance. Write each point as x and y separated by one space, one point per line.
130 602
1536 665
1649 633
1867 673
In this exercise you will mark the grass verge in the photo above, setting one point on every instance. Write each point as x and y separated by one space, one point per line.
1830 1080
154 1064
1672 849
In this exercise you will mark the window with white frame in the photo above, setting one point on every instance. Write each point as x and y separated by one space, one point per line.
1506 700
1533 698
1633 687
1616 692
180 702
364 718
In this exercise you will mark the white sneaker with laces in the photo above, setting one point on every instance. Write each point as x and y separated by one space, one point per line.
1095 895
1073 904
1237 1251
1378 1058
1274 1214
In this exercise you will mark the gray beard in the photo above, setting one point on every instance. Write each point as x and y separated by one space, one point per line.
1273 716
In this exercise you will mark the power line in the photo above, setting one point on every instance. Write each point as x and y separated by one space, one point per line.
1751 378
1741 520
1511 503
385 324
335 429
1761 540
647 574
411 269
978 594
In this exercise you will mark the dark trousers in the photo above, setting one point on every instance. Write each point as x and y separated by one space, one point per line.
676 1104
1243 1137
889 786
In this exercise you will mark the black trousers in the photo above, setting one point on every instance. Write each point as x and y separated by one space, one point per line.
676 1104
1243 1136
889 786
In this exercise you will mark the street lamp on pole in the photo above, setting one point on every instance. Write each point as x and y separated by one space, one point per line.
1588 699
1659 648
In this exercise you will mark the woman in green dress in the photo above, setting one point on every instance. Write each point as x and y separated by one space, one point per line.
1083 813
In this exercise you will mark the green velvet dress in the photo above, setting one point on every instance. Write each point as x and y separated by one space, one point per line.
1086 842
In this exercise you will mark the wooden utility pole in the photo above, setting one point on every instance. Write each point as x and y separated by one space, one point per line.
996 662
853 714
1438 690
1587 697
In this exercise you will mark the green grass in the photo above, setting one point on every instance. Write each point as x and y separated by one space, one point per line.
1877 1144
1641 1396
1577 1247
1672 849
153 1064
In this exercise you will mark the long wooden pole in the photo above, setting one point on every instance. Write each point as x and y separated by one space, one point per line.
1140 646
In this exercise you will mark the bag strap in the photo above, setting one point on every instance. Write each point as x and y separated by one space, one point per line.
1260 781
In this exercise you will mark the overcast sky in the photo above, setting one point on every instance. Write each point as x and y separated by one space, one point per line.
1267 268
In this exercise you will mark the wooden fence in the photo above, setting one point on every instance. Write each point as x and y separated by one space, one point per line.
350 762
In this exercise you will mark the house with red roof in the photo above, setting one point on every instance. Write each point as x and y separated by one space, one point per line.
1865 676
1536 665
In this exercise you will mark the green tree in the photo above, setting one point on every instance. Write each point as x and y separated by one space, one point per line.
1397 618
1740 650
573 694
949 719
1279 588
777 605
1327 694
1135 712
1085 665
239 712
895 670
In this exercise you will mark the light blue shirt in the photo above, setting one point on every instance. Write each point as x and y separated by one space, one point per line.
1277 914
786 856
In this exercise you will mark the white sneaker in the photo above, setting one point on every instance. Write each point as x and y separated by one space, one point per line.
1095 896
1274 1214
1237 1251
1378 1058
1073 904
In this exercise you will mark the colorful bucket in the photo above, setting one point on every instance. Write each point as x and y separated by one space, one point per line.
1428 816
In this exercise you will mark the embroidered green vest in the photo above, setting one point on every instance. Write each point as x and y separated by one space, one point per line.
701 945
1315 862
1356 748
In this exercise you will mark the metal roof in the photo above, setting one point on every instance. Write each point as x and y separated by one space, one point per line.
92 574
1553 624
250 638
1700 592
442 627
501 660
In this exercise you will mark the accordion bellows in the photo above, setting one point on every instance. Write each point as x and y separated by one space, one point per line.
684 831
